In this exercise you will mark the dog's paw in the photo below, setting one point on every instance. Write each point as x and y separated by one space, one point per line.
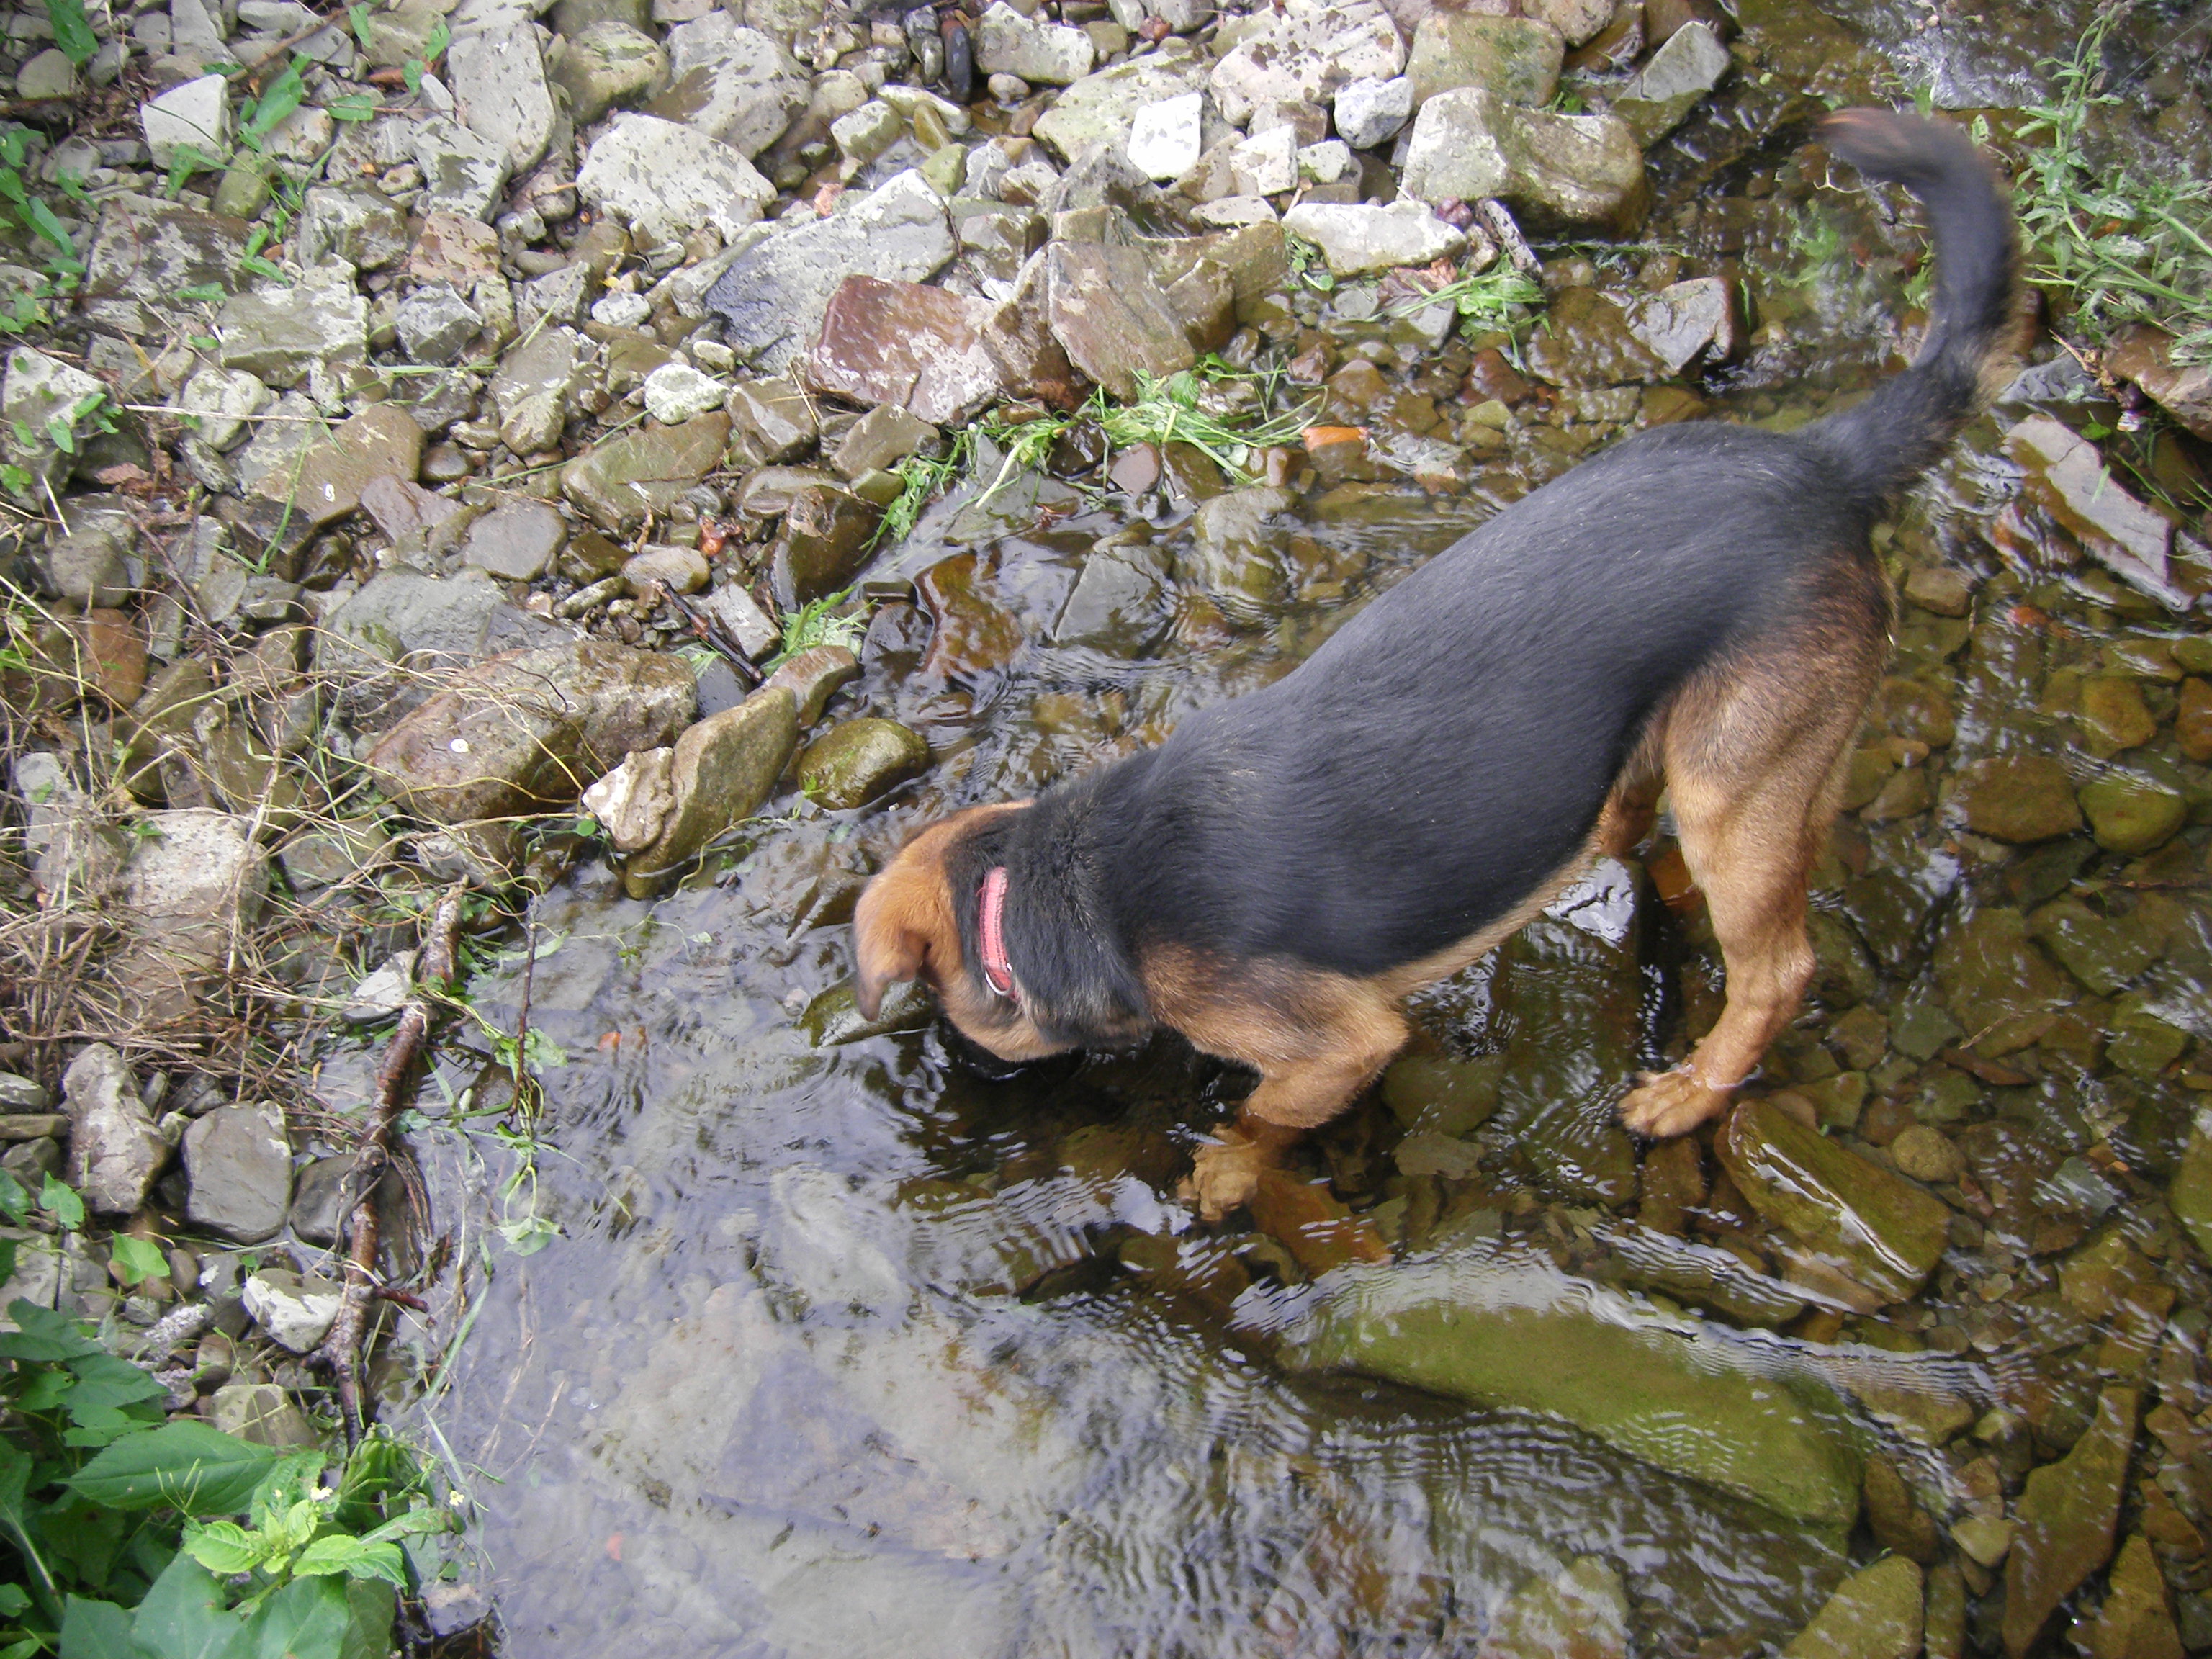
1671 1103
1224 1175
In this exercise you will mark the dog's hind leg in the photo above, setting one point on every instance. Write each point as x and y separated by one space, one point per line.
1755 773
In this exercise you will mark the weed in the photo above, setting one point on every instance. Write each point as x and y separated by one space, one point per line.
817 623
1498 298
73 31
1186 408
1308 265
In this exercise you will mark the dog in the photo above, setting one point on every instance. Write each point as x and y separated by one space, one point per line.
1698 608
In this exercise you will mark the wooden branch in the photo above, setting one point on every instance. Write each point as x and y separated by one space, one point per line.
340 1353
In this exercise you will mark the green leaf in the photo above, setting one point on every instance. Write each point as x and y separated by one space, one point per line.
440 38
528 1236
370 1604
63 436
202 294
307 1618
224 1547
96 1630
40 1333
63 1202
7 1260
184 1464
72 31
354 106
138 1259
14 1601
285 94
14 1197
363 31
411 72
29 1647
41 219
356 1557
183 1617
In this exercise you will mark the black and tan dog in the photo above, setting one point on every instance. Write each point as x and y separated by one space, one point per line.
1697 609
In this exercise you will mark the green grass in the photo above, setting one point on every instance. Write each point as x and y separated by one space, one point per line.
2122 247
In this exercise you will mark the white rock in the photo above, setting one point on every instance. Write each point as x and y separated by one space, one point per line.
1328 161
196 115
1266 164
382 993
622 310
498 79
115 1151
297 1312
220 400
1040 53
1359 237
665 179
1456 152
196 29
739 86
1230 211
632 802
1302 55
1692 60
1165 141
1369 113
752 627
677 392
194 873
462 173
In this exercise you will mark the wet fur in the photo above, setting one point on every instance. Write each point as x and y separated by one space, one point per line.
1698 608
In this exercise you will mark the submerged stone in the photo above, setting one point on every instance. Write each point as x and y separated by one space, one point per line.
2017 798
2067 1516
857 761
721 771
2067 481
2136 1621
1996 982
1876 1614
1580 1613
2132 815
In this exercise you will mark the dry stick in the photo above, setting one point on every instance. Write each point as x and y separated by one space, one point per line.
340 1354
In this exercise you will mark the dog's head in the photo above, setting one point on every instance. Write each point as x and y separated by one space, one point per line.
907 926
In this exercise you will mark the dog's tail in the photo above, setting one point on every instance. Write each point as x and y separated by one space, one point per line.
1894 436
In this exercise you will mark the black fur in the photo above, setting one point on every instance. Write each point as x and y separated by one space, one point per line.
1452 746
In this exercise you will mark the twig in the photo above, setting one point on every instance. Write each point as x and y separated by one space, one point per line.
1507 234
340 1354
705 625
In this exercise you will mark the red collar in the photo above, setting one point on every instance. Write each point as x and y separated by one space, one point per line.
991 925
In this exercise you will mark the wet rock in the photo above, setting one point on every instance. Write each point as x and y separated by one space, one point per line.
436 325
238 1161
114 1150
498 78
1875 1613
1586 340
605 64
279 333
736 85
1927 1154
1359 237
720 771
1677 76
320 1196
530 390
773 419
1516 59
1894 1517
1236 553
666 180
632 802
1118 605
1683 320
1441 1096
1994 980
1102 107
296 1310
744 621
1457 150
530 729
1040 53
682 570
1653 1391
2136 1621
822 546
775 294
1117 320
906 345
1166 138
1302 56
2017 798
195 876
262 1414
676 392
2067 1516
2105 953
516 543
2131 816
1558 1091
2144 355
1576 171
619 481
1850 1214
1369 113
880 439
2190 1195
194 117
425 624
379 443
38 389
813 676
462 173
2067 480
856 762
2192 720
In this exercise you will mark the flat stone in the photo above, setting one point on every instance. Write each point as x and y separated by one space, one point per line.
1652 1390
2144 355
2190 1195
2067 1516
723 768
1302 56
773 418
2067 479
1996 982
436 325
296 1311
822 546
735 85
280 333
498 78
238 1161
2137 1619
753 630
1683 319
813 676
1266 164
1456 153
663 181
531 386
879 440
607 63
2131 816
516 542
1855 1216
1118 605
462 173
1357 238
676 392
262 1414
1102 108
426 623
452 249
221 401
195 876
361 227
906 345
775 294
1575 171
1672 82
857 762
680 569
379 443
1165 138
115 1152
1116 321
1040 53
1516 59
632 802
1875 1613
2017 798
620 480
1581 1612
193 116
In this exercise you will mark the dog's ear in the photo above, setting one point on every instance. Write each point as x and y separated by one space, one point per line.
903 916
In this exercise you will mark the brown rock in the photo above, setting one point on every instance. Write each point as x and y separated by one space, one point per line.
1116 321
2192 725
2067 1516
974 635
904 343
381 442
814 677
723 768
2142 353
455 250
1898 1523
824 541
2135 1622
1321 1232
2017 798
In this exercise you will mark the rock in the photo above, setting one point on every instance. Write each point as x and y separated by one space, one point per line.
462 173
454 250
2192 720
194 117
1040 53
221 401
296 1311
2067 1516
813 676
879 440
752 630
320 1196
1516 59
775 295
663 181
2017 798
1927 1154
498 78
1358 237
737 86
1681 72
1683 320
516 543
379 443
2105 953
238 1161
1235 548
1575 171
2131 816
47 75
857 762
114 1150
263 1414
681 569
1456 153
89 563
1117 321
426 623
75 854
1654 1391
1302 56
720 771
148 251
38 389
2190 1195
1577 20
632 802
194 876
1118 605
530 390
1580 1613
1102 108
380 993
1874 1614
2135 1622
2066 481
1984 1540
1851 1215
1996 982
620 480
1266 164
675 391
529 731
436 325
278 334
906 345
1369 113
2144 355
606 62
773 419
1165 139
